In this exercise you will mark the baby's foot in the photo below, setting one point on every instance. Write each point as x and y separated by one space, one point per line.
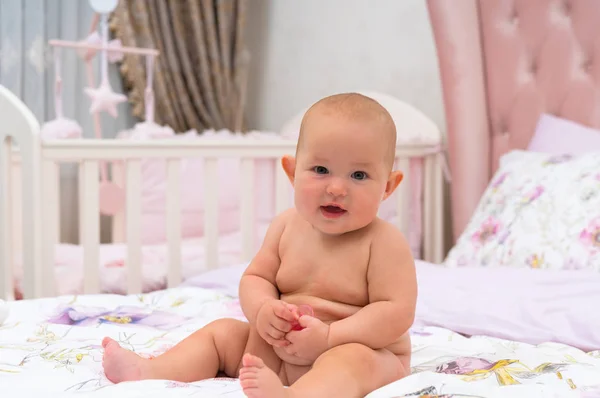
120 364
258 381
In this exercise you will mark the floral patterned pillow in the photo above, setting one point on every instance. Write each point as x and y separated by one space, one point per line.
539 211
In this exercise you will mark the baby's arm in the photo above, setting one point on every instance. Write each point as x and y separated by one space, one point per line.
392 285
257 285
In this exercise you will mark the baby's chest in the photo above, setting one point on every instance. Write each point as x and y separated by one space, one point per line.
338 274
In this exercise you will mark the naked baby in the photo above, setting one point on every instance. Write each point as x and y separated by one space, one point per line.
329 252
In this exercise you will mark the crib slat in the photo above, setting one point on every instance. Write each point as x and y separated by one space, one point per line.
247 208
173 213
133 225
6 223
118 219
51 189
282 189
403 197
32 218
90 225
211 215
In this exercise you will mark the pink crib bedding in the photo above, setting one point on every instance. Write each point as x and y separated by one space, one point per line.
113 274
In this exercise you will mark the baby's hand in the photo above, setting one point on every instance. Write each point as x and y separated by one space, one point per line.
273 321
310 342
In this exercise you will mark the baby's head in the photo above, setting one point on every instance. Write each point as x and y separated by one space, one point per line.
343 165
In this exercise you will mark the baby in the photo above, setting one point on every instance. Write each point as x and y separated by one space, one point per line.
330 252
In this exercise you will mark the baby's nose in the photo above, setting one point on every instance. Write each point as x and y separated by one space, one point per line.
336 188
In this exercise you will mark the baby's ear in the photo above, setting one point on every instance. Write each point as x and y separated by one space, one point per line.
289 166
393 181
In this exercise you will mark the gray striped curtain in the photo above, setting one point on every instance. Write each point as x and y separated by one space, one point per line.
200 77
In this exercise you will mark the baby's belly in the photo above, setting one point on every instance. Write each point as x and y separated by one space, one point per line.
326 310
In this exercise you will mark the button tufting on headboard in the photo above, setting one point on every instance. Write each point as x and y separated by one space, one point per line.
514 17
533 66
586 65
543 66
503 63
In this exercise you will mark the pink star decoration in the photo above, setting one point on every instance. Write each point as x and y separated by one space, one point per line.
104 99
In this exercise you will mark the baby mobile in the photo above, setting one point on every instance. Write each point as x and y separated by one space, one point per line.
102 97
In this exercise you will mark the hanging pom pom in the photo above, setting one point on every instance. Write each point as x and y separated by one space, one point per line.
60 128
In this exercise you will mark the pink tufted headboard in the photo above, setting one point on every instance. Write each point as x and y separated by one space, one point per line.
502 63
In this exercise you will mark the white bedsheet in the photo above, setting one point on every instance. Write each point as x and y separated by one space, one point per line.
51 347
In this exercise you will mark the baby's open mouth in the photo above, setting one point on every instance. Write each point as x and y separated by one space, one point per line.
332 211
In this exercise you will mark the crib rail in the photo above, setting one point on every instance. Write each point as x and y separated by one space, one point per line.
92 149
88 154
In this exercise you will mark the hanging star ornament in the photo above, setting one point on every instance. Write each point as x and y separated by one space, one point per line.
104 99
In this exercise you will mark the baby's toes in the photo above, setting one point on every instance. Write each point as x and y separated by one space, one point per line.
249 381
248 373
252 361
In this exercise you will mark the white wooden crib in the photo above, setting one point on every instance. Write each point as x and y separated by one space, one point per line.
29 183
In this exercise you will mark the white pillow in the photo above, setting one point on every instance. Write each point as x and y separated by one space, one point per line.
558 135
539 211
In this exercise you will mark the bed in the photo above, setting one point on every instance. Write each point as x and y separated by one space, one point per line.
56 341
483 328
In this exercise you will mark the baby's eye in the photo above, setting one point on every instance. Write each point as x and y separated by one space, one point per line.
320 170
359 175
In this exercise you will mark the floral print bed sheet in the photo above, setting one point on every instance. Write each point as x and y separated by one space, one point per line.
51 347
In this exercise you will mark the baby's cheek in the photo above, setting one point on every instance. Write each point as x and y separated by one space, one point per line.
305 195
371 203
308 187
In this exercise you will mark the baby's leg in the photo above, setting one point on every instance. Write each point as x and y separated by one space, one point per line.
350 370
218 346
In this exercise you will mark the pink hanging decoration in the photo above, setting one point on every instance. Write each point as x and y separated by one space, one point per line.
148 129
112 197
104 98
88 53
60 127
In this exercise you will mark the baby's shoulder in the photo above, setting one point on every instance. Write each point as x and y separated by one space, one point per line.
389 250
277 227
284 222
284 218
386 236
383 227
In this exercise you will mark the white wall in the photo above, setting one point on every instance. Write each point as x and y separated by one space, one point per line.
304 50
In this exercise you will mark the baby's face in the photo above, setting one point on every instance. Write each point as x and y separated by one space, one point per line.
341 174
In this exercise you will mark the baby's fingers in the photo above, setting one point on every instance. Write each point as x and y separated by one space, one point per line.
276 341
283 312
274 333
290 349
292 307
281 325
280 343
